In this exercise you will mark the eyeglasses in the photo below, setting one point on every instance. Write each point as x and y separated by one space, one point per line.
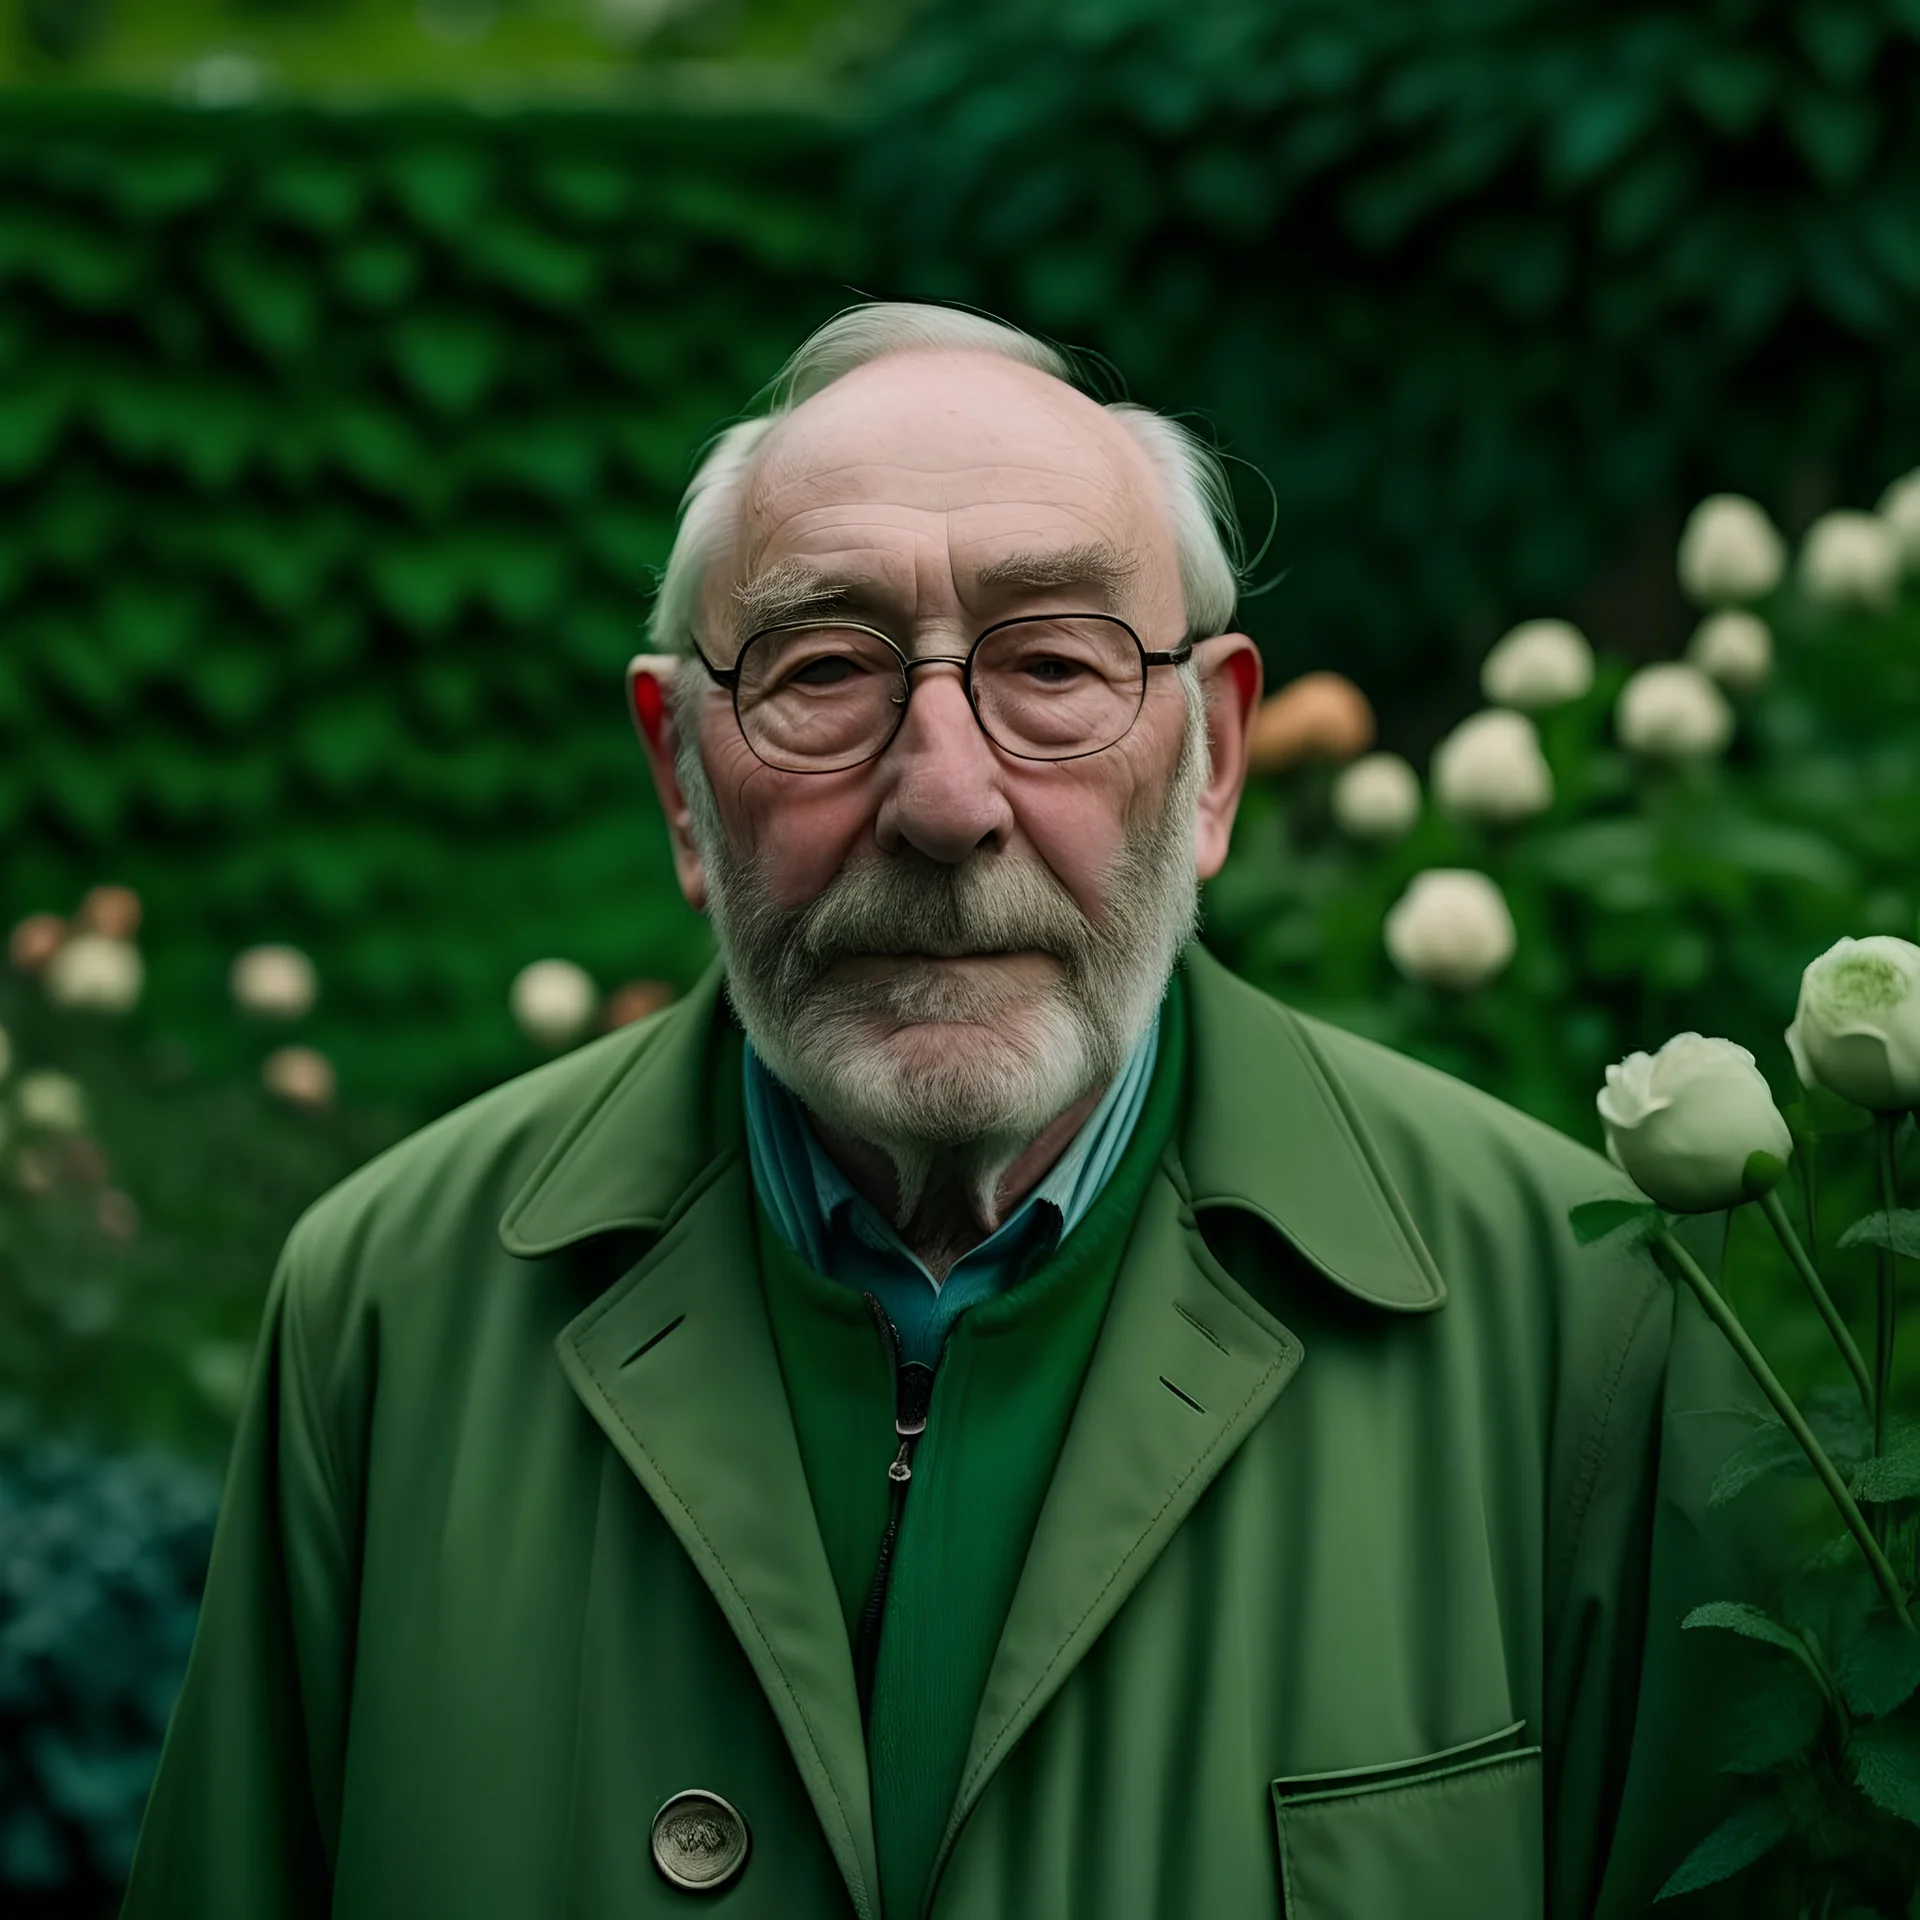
819 696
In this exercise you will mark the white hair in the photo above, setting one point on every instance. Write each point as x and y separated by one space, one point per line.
1205 532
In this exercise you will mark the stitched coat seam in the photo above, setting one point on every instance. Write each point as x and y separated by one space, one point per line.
1598 1441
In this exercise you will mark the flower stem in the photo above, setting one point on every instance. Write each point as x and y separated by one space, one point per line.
1884 1302
1791 1417
1810 1277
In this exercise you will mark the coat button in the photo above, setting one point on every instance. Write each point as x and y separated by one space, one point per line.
699 1841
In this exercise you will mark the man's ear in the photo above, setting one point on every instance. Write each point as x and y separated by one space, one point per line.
650 706
1230 678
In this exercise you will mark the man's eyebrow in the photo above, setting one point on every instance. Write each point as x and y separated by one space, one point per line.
789 590
794 589
1093 563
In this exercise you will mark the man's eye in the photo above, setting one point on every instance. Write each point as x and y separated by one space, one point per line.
829 670
1051 670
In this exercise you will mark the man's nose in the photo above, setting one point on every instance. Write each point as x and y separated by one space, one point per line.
943 795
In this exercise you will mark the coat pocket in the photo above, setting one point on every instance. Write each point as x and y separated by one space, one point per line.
1458 1835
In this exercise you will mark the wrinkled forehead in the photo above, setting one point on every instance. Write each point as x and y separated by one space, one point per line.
967 449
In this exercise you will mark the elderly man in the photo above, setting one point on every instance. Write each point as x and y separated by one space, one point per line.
973 1412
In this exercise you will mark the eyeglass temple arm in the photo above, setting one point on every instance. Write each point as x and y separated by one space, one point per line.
722 676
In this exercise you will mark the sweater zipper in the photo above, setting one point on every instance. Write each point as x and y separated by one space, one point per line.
912 1395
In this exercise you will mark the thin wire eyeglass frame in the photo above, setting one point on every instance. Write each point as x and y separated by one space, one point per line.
729 677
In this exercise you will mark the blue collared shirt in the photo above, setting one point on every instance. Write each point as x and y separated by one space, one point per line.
838 1232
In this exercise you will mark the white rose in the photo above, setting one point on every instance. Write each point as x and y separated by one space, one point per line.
1900 509
276 983
1730 552
1672 711
1856 1030
1490 767
97 973
1851 561
51 1101
1377 798
1683 1123
1734 648
300 1076
554 1002
1539 664
1451 928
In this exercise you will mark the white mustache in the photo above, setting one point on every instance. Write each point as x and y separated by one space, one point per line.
906 904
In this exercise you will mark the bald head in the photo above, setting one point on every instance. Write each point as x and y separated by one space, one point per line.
951 485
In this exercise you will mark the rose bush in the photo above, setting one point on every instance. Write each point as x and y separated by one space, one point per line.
1451 928
1856 1030
1490 768
1684 1124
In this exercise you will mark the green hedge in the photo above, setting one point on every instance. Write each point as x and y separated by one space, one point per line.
335 451
1493 290
336 447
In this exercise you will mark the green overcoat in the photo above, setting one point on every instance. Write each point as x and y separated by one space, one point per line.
1356 1591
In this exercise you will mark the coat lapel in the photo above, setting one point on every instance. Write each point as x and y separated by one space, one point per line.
1188 1363
1185 1367
676 1363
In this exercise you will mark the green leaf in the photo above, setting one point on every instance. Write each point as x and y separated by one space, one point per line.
1730 89
1605 122
1738 1841
378 270
449 359
319 195
421 583
1839 1420
1879 1669
1898 1232
443 188
30 423
1774 1722
1596 1220
586 189
551 273
1742 1617
1894 1474
1772 1450
1886 1765
268 295
1836 133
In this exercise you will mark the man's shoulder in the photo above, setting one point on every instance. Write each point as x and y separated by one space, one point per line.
1425 1111
1421 1121
450 1182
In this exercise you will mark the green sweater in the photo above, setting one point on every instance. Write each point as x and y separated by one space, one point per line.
1002 1398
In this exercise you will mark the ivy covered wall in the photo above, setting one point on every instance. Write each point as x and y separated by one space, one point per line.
336 446
1491 290
335 451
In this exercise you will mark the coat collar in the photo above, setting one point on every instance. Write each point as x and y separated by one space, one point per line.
1269 1129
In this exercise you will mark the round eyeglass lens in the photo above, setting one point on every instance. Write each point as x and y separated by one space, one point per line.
813 699
1057 687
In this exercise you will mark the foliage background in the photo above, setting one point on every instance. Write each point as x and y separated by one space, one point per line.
341 425
336 445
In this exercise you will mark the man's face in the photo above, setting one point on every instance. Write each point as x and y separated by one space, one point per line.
948 893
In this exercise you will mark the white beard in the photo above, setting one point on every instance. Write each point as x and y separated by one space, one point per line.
865 1056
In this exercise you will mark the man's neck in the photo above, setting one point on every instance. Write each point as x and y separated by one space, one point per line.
946 1223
